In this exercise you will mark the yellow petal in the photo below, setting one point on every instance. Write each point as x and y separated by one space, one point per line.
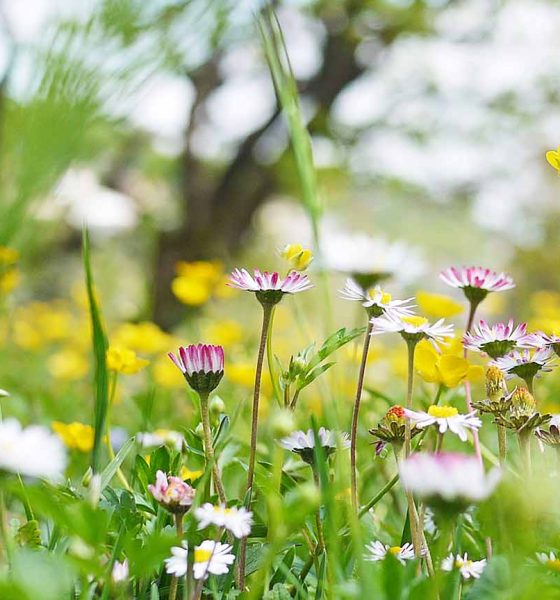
553 158
453 370
425 361
438 305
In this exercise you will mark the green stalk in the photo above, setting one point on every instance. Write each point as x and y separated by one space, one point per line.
502 444
524 438
209 448
110 451
175 580
270 361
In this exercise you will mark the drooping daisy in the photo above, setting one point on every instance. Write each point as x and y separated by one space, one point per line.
375 300
549 560
468 568
303 443
476 282
497 340
451 478
412 328
172 493
370 260
445 417
542 340
212 558
526 364
234 519
378 551
269 287
34 451
552 435
201 364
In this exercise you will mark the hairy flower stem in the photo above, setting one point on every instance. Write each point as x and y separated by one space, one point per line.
209 448
319 524
266 323
524 438
502 444
355 415
530 384
270 360
472 310
175 580
415 527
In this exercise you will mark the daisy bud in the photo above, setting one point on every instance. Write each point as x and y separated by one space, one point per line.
202 366
282 423
396 415
172 493
217 406
298 257
496 387
523 403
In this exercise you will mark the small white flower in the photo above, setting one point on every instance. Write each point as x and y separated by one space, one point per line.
378 551
299 441
161 437
525 363
429 522
499 339
3 393
445 417
412 326
120 572
549 560
33 451
467 568
236 520
448 477
212 557
177 563
375 297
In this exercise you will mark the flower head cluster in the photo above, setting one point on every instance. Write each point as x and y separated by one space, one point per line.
172 493
202 365
269 287
497 340
33 451
209 558
303 443
236 520
447 479
522 414
498 402
468 568
412 328
378 551
391 429
526 364
476 282
445 418
375 300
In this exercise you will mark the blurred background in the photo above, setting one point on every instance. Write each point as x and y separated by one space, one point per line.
156 124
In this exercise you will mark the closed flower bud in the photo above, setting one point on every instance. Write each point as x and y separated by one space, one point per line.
202 366
395 414
282 423
523 403
217 406
495 384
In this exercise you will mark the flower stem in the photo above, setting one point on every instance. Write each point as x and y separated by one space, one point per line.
175 580
266 323
502 444
476 441
529 381
524 438
209 448
355 415
320 535
110 451
270 360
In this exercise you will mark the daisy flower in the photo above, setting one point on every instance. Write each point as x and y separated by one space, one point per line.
34 451
497 340
412 328
212 557
549 560
378 551
236 520
177 563
201 364
370 260
303 443
468 568
172 493
445 417
269 287
120 572
525 364
448 477
542 340
375 300
476 282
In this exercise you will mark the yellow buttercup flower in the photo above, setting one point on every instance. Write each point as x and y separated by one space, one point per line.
226 332
553 158
76 436
198 281
192 292
8 256
242 374
125 361
68 365
186 473
9 280
448 368
438 305
166 374
144 337
298 256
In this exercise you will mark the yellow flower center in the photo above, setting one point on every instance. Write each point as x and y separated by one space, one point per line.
415 320
201 555
221 510
442 412
553 563
394 550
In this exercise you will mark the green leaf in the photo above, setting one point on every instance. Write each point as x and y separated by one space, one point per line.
29 534
110 470
312 375
99 340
